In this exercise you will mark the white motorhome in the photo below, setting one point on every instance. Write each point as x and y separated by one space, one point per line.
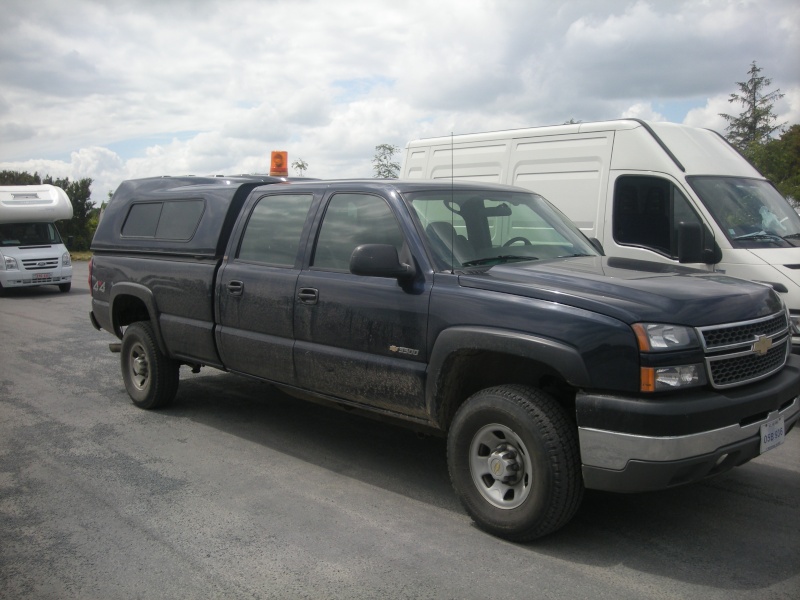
646 190
31 250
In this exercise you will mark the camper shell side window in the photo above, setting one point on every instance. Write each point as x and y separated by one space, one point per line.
164 220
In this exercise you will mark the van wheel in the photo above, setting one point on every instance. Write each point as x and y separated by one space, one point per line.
150 377
65 287
514 461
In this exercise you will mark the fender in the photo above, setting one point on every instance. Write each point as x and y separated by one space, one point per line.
560 357
144 294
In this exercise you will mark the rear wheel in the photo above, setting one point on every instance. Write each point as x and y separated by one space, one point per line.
514 461
150 377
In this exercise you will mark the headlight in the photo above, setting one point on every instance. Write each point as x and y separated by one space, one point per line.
794 323
658 337
66 261
10 263
661 337
656 379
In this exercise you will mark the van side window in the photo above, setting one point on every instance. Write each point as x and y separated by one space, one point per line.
647 213
273 232
350 221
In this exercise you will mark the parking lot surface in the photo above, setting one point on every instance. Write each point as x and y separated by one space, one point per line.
238 491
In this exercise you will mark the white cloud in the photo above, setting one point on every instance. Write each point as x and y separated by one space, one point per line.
148 87
787 108
642 110
709 115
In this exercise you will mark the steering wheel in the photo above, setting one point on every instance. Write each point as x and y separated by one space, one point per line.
524 240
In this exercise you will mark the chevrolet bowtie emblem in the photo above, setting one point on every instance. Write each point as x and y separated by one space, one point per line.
762 345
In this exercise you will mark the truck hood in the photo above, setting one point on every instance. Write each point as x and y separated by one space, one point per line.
632 290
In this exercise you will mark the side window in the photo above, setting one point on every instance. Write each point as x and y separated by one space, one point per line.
142 220
682 212
647 212
179 220
351 220
272 234
170 220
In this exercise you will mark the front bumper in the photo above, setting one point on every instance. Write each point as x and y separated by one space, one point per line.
641 444
15 279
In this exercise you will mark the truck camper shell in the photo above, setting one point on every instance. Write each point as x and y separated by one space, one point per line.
187 215
34 204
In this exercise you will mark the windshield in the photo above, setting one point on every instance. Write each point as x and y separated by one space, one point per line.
475 228
28 234
751 212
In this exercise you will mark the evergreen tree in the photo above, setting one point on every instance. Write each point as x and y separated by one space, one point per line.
779 161
756 123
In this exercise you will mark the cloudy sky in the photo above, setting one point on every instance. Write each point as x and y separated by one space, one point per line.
113 89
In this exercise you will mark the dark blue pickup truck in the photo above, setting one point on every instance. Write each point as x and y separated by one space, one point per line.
475 310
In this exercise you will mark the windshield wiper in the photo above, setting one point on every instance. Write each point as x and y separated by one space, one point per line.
758 235
503 258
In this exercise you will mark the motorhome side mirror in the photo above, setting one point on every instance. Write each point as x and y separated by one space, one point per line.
379 260
690 243
70 241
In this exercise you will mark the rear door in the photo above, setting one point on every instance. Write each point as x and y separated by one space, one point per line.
256 288
360 338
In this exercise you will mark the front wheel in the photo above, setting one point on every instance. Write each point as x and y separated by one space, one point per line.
514 461
65 287
150 377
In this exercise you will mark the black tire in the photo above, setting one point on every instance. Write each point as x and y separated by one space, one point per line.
150 377
65 287
514 462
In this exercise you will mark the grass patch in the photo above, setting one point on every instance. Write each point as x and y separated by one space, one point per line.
85 255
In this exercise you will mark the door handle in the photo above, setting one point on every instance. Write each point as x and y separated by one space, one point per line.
308 295
235 288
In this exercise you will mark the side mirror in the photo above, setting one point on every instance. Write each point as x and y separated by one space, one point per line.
691 246
597 245
379 260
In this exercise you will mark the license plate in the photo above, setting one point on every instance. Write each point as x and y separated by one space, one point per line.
772 434
41 276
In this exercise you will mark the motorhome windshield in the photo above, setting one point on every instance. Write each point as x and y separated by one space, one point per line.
470 229
751 212
28 234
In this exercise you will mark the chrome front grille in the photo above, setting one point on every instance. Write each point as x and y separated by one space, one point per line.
738 353
40 264
723 336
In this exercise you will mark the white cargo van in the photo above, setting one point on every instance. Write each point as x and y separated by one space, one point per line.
646 190
31 250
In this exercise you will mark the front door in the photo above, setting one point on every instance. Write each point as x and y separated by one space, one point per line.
360 338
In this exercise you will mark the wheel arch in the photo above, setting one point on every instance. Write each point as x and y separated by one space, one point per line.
465 360
132 302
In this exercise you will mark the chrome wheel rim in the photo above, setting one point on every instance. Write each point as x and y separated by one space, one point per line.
139 367
500 466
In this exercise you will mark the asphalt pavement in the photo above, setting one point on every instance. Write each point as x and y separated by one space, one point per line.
238 491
